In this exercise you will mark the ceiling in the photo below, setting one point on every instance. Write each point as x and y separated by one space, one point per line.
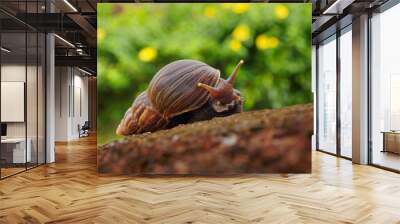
331 15
75 23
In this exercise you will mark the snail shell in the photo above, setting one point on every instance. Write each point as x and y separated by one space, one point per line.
141 117
182 91
174 90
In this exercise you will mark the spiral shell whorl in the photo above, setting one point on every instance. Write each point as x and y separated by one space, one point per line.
174 90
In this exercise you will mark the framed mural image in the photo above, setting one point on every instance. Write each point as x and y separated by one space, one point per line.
204 89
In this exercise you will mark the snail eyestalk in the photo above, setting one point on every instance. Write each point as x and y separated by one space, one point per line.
223 92
214 92
231 78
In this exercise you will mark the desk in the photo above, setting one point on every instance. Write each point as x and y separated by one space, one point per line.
391 141
15 148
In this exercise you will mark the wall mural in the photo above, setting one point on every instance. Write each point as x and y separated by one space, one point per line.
204 89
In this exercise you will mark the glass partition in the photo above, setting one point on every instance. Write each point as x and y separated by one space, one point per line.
31 100
22 101
15 151
327 95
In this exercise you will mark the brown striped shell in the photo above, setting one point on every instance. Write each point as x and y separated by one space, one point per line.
174 89
141 117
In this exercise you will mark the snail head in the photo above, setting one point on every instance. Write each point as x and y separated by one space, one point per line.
224 93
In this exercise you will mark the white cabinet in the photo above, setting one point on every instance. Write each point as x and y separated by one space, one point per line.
19 155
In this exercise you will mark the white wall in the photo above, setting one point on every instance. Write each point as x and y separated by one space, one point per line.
80 110
62 80
71 94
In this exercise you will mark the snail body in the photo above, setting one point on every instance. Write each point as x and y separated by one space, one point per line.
183 91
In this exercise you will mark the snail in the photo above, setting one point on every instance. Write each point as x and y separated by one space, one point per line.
183 91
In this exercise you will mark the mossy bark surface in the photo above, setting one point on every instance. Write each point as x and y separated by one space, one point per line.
264 141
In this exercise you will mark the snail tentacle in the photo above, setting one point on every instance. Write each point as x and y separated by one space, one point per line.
232 77
214 92
223 92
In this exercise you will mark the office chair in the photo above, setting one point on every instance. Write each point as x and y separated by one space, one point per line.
84 130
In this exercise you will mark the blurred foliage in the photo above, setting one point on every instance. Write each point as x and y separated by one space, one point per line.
136 40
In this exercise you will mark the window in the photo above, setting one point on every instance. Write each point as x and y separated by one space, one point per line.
327 95
346 75
385 89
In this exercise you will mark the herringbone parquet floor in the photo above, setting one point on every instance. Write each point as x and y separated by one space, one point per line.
70 191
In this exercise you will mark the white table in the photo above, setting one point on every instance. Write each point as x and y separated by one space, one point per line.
19 155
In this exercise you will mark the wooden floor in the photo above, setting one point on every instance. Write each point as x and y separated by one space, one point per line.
387 159
70 191
5 172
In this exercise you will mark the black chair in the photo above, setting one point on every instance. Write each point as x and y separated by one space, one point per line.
84 130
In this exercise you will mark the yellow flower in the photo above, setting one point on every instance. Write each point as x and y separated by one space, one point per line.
101 33
261 41
273 42
235 45
241 33
147 54
210 11
281 11
240 8
266 42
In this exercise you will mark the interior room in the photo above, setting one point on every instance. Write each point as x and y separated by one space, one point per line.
22 99
29 103
385 106
48 104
